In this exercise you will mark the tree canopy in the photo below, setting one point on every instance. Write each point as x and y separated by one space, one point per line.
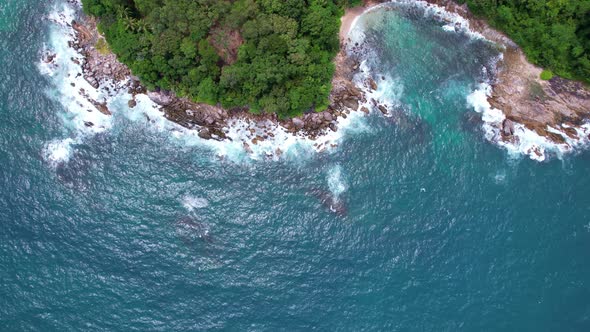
554 34
267 55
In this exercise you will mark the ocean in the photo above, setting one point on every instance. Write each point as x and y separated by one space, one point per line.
414 222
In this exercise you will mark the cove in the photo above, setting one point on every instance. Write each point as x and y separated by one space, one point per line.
140 229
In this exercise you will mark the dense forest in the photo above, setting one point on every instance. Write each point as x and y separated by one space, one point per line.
267 55
554 34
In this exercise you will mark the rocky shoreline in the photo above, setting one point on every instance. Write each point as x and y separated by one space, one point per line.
557 110
554 110
101 68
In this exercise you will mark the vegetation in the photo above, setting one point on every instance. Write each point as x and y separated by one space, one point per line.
546 75
554 34
102 47
267 55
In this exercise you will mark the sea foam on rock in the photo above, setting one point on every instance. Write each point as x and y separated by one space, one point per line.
91 86
507 120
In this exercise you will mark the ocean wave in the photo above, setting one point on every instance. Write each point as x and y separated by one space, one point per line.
58 152
82 119
524 141
192 203
336 182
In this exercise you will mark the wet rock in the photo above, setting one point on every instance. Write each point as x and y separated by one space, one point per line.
352 104
508 127
372 84
383 109
333 127
88 124
132 103
49 58
102 108
365 110
248 148
204 133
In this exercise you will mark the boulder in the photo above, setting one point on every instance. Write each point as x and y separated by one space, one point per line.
248 148
372 84
204 133
328 116
132 103
160 98
508 127
298 123
353 104
383 109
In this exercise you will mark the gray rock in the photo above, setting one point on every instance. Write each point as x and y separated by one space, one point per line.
383 109
351 104
328 116
204 133
298 123
160 98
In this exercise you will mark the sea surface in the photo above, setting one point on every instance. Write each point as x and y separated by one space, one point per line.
415 222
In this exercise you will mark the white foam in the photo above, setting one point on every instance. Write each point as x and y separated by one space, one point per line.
67 79
80 117
336 181
524 141
192 203
58 152
283 145
452 22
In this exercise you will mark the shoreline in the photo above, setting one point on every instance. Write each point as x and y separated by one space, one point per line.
510 116
213 122
526 114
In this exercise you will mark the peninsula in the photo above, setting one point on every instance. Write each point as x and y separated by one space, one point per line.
206 62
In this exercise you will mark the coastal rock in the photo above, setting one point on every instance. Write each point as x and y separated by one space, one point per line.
248 148
299 124
204 133
102 108
372 84
383 109
49 57
160 98
365 110
508 127
132 103
352 104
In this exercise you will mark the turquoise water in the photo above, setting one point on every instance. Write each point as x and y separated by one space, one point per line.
138 232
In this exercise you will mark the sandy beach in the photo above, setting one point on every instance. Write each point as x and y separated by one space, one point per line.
348 20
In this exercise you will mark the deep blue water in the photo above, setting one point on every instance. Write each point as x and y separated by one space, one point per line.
137 232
